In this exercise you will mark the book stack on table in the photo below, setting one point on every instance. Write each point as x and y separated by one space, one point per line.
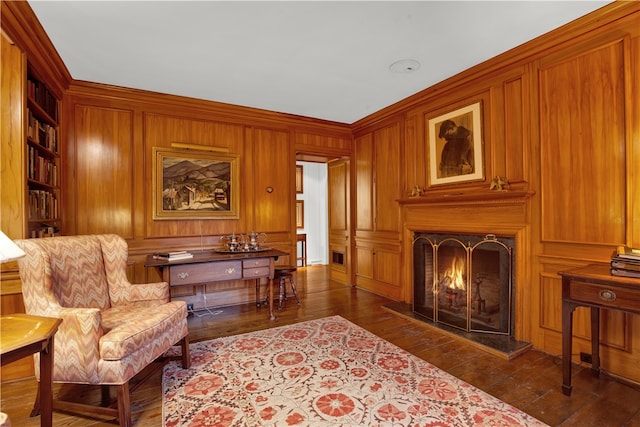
625 262
173 256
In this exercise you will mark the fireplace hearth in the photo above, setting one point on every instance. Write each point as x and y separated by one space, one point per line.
464 281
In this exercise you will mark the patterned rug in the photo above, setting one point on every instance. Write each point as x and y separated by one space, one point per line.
326 372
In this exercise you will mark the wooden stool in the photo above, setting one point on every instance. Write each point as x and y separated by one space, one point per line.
282 274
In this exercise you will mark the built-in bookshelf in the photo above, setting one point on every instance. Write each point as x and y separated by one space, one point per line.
43 160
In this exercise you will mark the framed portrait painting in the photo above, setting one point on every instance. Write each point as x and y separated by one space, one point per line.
190 184
455 146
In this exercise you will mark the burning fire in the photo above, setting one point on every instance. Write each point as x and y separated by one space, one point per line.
454 275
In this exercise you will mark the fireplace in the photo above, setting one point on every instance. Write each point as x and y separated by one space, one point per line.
464 282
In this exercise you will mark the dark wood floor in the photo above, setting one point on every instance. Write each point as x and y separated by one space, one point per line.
530 382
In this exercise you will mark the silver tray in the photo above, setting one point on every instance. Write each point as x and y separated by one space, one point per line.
227 251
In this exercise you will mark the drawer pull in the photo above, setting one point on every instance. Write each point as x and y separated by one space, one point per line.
230 270
607 295
183 275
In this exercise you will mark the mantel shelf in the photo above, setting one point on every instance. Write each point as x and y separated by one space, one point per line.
475 197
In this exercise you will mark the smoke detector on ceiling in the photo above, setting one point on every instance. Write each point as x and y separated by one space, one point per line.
405 66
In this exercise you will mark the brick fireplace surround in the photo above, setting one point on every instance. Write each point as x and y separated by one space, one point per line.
501 213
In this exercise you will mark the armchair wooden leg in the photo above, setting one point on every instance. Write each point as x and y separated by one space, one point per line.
105 392
186 357
124 405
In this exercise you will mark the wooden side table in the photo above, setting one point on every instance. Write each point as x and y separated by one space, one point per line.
22 335
593 286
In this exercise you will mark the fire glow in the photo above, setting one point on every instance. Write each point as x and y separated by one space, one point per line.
454 276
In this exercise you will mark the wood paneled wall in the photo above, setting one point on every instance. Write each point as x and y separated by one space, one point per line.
108 181
561 122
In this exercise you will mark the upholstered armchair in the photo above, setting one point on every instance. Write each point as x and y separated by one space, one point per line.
111 329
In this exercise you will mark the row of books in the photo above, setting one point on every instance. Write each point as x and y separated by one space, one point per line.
43 205
42 133
43 97
173 256
42 169
625 262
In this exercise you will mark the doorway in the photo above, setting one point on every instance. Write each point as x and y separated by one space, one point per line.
311 215
325 198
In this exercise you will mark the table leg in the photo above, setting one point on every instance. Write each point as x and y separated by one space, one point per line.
46 384
567 335
595 341
271 315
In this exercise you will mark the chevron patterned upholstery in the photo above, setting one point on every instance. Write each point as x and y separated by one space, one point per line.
111 329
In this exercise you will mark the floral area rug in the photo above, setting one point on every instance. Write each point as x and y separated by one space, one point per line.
326 372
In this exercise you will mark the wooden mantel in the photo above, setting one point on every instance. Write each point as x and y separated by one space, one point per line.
472 197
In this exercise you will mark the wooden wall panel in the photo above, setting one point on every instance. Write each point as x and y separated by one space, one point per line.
12 150
364 262
387 154
515 135
415 155
104 167
582 104
332 146
363 164
272 167
386 265
338 172
550 303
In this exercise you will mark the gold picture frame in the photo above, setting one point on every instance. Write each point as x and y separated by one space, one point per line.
299 188
299 213
455 146
190 184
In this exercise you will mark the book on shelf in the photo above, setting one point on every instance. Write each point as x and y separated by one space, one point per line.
173 256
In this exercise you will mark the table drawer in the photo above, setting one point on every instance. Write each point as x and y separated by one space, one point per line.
258 262
189 274
255 272
605 296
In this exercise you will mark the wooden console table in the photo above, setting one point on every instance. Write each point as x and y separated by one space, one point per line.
22 335
593 286
211 267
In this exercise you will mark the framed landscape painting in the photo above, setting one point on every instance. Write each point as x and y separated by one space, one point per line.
455 146
191 184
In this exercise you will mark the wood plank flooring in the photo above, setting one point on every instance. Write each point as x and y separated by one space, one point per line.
530 382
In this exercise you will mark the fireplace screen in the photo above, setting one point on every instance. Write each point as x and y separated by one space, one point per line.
464 281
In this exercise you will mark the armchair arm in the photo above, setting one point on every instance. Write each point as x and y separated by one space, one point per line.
77 345
148 294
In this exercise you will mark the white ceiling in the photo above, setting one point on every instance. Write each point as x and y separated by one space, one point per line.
327 60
